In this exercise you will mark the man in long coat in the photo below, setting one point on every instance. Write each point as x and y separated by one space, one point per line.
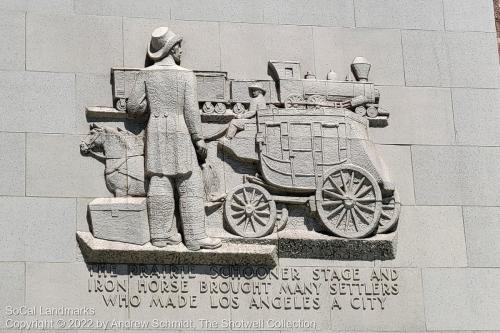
167 92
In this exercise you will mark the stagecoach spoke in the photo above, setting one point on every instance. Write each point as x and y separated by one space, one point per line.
365 208
330 178
253 196
242 220
258 219
258 200
332 203
365 221
236 206
264 206
351 182
335 211
262 214
355 191
247 221
237 215
366 200
364 192
252 223
341 216
347 220
343 181
355 219
239 201
333 194
385 215
245 195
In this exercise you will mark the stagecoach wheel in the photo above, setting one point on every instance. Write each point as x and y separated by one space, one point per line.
208 107
121 104
250 211
295 101
391 207
349 202
220 108
316 100
239 108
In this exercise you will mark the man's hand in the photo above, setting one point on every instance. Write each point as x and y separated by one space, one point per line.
201 149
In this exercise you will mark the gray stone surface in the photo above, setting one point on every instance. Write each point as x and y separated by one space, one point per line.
403 312
451 175
465 69
481 232
398 161
469 15
12 55
42 6
426 58
337 13
54 285
403 14
421 233
31 95
238 41
476 116
199 38
12 289
335 48
12 163
39 229
418 116
87 44
55 168
219 10
461 299
131 8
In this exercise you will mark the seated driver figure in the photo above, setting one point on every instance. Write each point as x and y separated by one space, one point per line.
257 102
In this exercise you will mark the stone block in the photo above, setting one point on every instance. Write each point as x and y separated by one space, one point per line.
474 66
41 6
69 285
84 44
452 175
426 58
400 14
417 116
398 161
335 48
12 54
37 102
482 231
435 58
55 168
336 13
402 312
469 15
12 164
201 46
476 116
461 299
219 10
39 229
12 290
120 219
130 8
422 230
258 44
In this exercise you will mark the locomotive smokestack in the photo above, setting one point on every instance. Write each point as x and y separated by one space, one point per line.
361 68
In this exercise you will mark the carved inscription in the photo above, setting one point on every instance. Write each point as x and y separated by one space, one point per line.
252 288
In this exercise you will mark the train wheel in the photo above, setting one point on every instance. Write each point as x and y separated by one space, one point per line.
372 112
295 101
391 208
316 101
208 107
349 202
250 211
239 108
220 108
121 104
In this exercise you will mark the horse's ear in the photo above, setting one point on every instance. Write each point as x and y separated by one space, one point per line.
120 129
92 126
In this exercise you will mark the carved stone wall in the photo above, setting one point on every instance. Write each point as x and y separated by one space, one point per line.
436 65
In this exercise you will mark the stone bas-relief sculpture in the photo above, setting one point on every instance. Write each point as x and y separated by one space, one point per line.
307 138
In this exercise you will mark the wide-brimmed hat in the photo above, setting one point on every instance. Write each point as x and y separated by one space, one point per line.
162 41
257 86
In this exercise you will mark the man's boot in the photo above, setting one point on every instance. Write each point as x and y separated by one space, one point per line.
193 220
